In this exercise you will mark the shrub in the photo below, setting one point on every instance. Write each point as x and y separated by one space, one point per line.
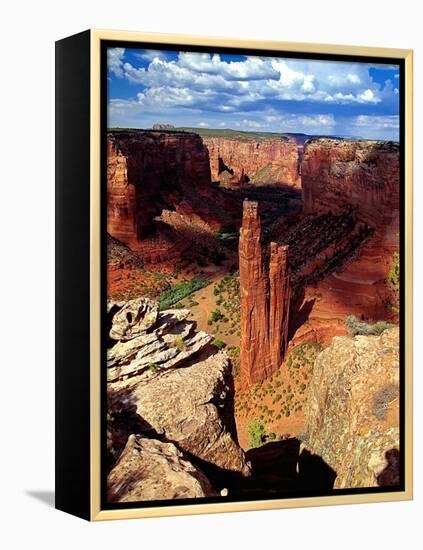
256 434
356 327
394 273
179 343
216 315
386 394
219 344
153 367
179 291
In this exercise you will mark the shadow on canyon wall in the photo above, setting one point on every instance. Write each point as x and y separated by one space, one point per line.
300 311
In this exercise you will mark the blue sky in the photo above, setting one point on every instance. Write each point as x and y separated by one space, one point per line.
266 94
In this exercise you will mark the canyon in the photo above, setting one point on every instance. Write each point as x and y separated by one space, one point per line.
253 161
234 260
148 172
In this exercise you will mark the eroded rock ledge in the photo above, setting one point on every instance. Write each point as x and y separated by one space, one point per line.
352 414
168 383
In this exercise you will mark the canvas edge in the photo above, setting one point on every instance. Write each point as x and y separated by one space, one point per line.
97 514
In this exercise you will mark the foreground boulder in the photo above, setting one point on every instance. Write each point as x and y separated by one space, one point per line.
190 406
172 384
352 413
151 470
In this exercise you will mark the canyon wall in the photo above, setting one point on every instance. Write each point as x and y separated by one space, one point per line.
363 174
352 412
363 178
264 300
259 161
151 171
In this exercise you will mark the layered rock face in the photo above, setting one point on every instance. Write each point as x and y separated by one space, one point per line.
151 171
352 413
264 300
166 382
340 176
148 469
261 161
363 174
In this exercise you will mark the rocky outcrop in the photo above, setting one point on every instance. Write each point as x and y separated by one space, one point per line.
257 161
131 319
174 386
362 174
352 413
148 469
264 300
170 341
148 171
190 406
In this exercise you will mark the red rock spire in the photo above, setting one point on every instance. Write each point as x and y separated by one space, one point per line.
279 298
264 301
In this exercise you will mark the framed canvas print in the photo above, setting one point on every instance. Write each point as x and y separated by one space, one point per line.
234 277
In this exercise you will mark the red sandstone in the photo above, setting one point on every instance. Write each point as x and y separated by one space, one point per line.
261 161
264 301
151 171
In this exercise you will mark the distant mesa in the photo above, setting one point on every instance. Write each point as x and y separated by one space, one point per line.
159 126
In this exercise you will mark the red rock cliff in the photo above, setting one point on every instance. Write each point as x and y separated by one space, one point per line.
364 174
264 301
261 161
151 171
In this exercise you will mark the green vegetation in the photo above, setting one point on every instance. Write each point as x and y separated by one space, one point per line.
228 233
209 132
286 389
356 327
153 367
219 344
179 343
256 434
226 292
233 352
216 315
394 280
394 273
231 134
179 291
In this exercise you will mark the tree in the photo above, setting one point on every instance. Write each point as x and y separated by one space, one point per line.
256 433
